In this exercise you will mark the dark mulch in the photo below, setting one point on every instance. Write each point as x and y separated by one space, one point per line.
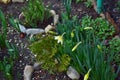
111 7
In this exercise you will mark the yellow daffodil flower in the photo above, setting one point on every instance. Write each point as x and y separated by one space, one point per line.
87 75
88 28
75 47
59 38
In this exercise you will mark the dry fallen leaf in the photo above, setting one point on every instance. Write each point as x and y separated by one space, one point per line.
4 1
20 1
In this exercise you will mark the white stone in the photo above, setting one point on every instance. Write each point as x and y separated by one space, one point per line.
52 12
72 73
20 1
22 28
32 31
28 72
48 28
56 17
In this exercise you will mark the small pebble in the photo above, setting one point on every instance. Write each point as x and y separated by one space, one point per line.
10 40
20 61
26 57
17 44
115 10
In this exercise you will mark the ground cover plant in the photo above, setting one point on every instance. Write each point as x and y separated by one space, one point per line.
82 40
114 45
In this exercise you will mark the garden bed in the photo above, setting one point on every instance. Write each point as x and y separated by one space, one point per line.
25 53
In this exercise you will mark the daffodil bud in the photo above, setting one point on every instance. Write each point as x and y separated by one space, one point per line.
88 28
75 47
87 75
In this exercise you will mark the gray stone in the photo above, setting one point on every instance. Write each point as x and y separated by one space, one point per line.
28 72
56 18
48 28
72 73
20 1
36 65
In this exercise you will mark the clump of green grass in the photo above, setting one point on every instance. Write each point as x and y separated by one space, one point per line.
35 13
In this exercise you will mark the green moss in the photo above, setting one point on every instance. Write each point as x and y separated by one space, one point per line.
64 62
47 51
45 47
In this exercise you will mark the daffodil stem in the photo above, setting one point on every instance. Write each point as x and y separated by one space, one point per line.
63 34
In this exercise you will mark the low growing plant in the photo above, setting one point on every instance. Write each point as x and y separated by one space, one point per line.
101 27
114 44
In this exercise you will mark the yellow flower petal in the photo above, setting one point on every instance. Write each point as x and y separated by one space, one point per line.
75 47
87 75
59 38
